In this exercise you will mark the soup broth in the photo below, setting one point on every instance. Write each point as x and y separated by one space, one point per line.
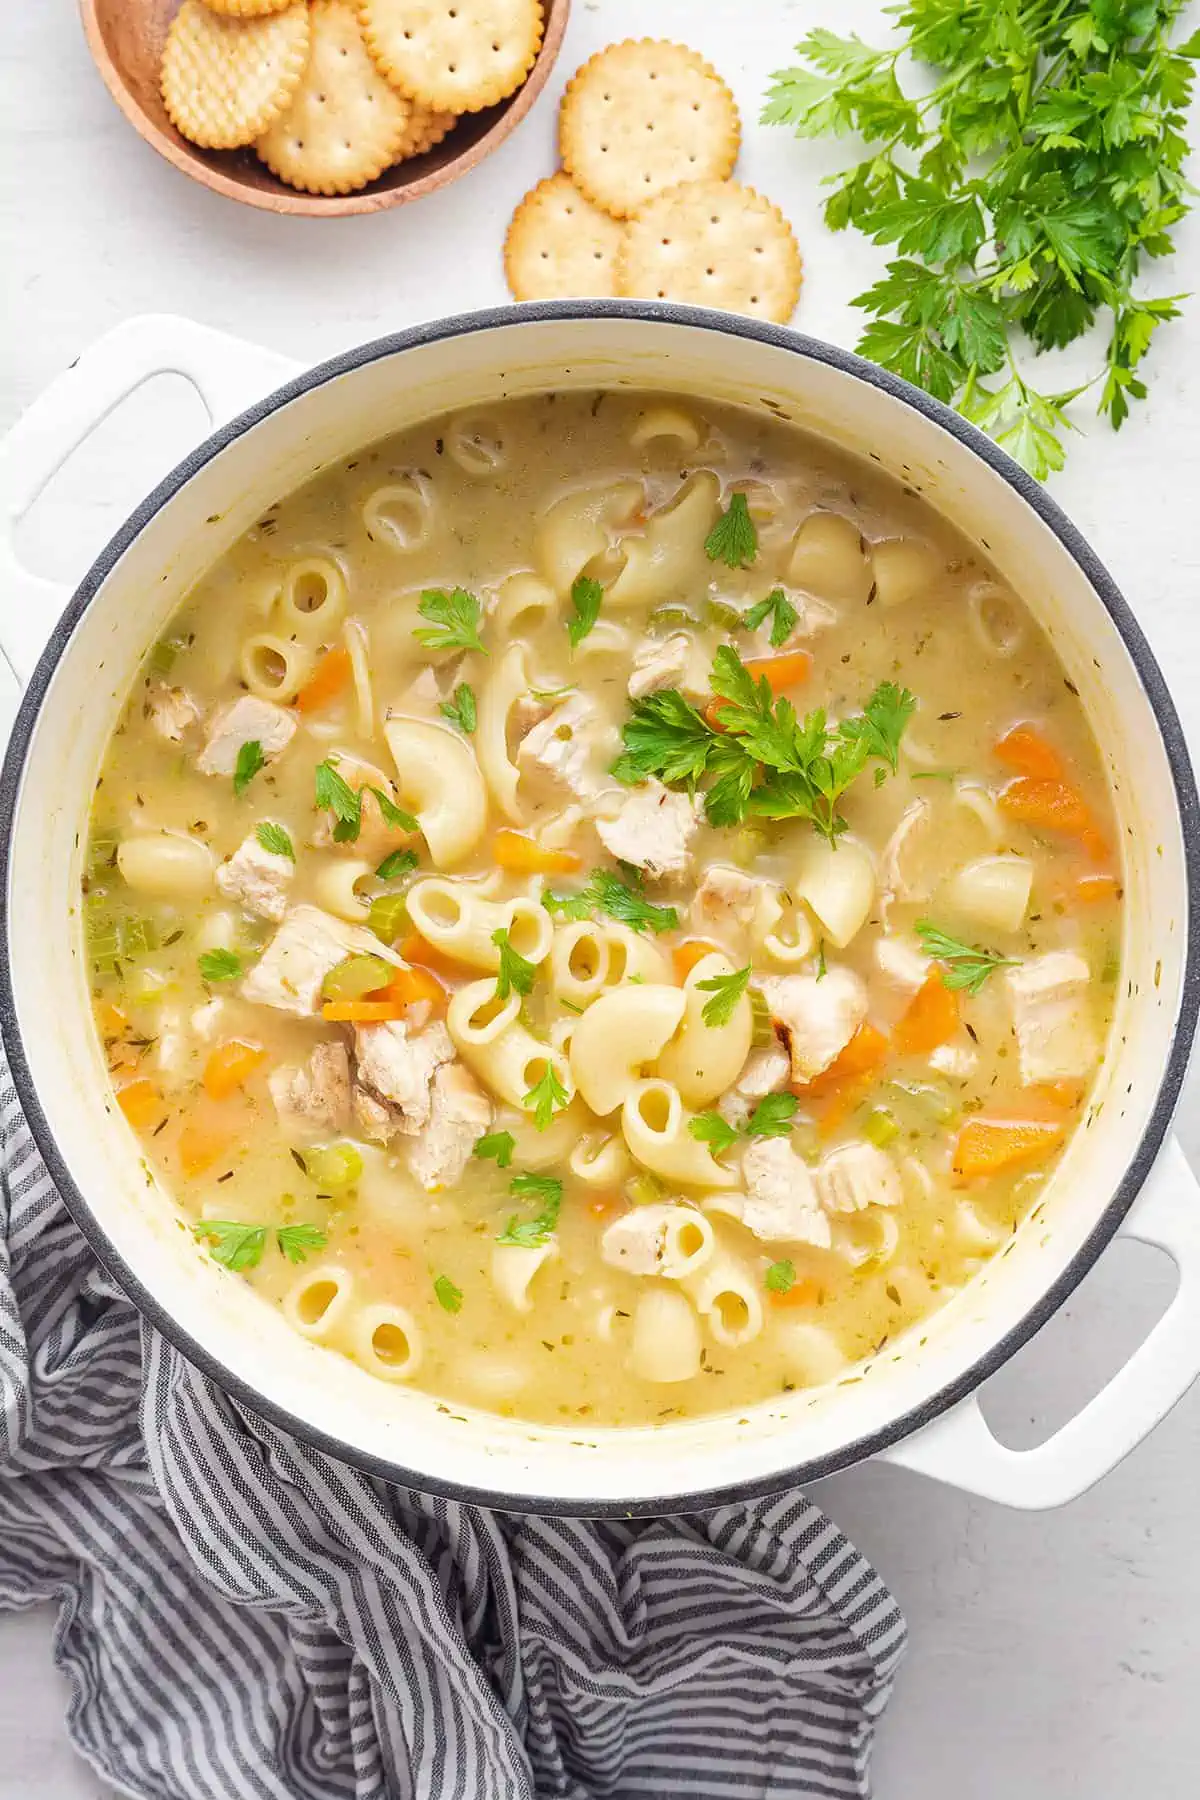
604 910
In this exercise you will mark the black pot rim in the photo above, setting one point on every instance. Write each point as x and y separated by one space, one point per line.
1188 803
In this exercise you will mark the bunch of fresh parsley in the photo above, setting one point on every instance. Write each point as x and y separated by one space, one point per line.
1022 193
764 761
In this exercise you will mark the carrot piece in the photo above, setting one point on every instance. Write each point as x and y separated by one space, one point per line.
1055 805
603 1206
1097 889
931 1019
712 714
685 956
229 1065
1027 752
989 1146
110 1020
804 1291
1063 1094
199 1149
848 1077
782 672
416 949
141 1103
326 681
408 986
515 850
363 1012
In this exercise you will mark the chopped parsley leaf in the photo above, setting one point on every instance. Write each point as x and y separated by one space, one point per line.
274 839
250 760
449 1297
220 965
782 614
586 596
733 540
454 620
726 991
497 1144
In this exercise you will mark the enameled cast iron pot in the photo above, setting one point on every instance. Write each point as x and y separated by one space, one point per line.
78 657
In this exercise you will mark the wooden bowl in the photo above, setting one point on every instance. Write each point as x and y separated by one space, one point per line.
126 40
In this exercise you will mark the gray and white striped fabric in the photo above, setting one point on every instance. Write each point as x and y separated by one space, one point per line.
241 1617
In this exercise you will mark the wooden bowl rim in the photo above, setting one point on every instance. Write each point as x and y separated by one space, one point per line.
282 199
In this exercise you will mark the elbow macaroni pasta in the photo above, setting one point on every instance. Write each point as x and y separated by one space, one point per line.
703 1060
656 1130
618 1035
439 777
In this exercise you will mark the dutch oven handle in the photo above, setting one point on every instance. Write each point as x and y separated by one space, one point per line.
226 373
959 1448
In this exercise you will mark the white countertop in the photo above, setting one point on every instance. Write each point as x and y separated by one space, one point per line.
1051 1655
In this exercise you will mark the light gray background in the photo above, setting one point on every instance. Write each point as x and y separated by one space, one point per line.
1051 1656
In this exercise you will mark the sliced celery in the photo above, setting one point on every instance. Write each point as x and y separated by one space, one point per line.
355 976
643 1188
332 1165
881 1126
763 1032
388 917
671 618
719 612
139 937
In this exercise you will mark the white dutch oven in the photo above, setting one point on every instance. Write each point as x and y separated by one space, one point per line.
915 1404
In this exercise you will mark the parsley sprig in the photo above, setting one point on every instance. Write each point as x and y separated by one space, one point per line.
497 1144
586 596
528 1234
772 1117
1022 194
516 973
462 709
546 1097
621 900
964 966
238 1246
274 839
334 794
733 540
454 619
726 991
764 760
782 614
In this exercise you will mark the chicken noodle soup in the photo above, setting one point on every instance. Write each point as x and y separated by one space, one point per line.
605 909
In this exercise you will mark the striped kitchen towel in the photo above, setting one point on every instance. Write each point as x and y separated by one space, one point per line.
241 1618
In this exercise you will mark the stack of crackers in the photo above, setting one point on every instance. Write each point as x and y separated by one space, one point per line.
330 93
643 205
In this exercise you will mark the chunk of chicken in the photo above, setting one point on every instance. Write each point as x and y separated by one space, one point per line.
1052 1017
309 943
459 1113
258 879
725 900
780 1203
856 1175
376 1121
316 1097
245 721
565 744
206 1020
671 662
816 1015
399 1068
957 1060
902 965
765 1071
653 830
171 711
638 1241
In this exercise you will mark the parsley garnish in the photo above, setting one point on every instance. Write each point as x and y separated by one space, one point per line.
462 710
586 596
764 759
1049 161
220 965
454 620
449 1297
497 1144
546 1097
237 1246
733 539
726 991
295 1241
773 1116
782 614
274 839
528 1234
607 893
250 760
713 1130
516 971
780 1278
965 966
396 864
334 794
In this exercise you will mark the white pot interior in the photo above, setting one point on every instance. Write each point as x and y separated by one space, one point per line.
221 1316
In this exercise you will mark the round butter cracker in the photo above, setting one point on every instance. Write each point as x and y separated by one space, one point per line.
225 80
246 9
425 129
559 245
642 116
713 243
454 55
345 124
